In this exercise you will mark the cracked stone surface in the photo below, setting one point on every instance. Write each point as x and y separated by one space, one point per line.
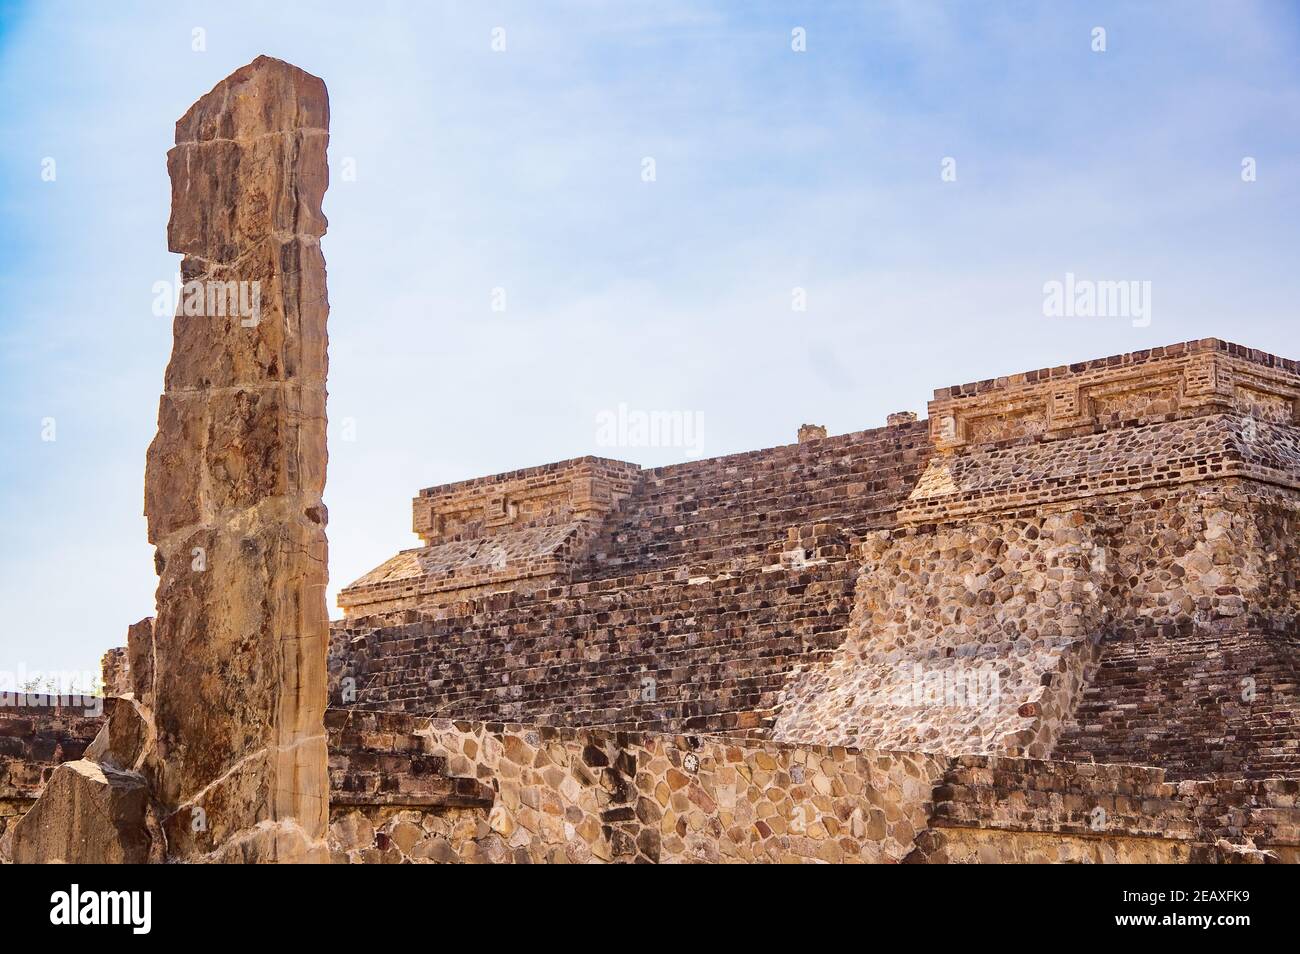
234 481
222 736
87 814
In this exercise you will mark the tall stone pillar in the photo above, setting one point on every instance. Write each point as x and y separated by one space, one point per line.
224 728
235 475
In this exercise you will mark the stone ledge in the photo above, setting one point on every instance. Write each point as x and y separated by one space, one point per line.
1177 381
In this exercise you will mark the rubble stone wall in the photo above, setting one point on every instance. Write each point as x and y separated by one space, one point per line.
579 795
710 581
411 789
999 809
1168 591
427 790
974 638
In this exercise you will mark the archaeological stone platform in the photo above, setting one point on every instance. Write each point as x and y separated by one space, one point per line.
1056 620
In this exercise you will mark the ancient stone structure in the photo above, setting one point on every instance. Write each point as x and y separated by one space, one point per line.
36 736
218 752
1058 620
1058 576
116 668
811 432
518 531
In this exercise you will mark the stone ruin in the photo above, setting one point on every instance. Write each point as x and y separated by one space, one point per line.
1057 620
217 751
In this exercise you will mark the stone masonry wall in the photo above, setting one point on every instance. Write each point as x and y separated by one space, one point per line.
411 789
1198 703
1057 517
979 636
1184 380
519 530
708 584
1137 467
991 809
844 650
974 638
420 790
663 655
580 489
705 516
526 530
579 796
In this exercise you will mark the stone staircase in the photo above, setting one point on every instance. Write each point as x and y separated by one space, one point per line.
645 652
707 513
706 587
1199 704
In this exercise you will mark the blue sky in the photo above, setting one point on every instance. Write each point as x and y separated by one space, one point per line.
522 170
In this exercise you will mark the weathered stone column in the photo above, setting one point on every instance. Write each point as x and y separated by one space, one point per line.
218 751
234 479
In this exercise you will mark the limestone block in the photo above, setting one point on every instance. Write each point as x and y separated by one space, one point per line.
125 739
87 814
139 651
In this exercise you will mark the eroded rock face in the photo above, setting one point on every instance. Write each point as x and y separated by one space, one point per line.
126 739
218 752
235 475
89 814
139 654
